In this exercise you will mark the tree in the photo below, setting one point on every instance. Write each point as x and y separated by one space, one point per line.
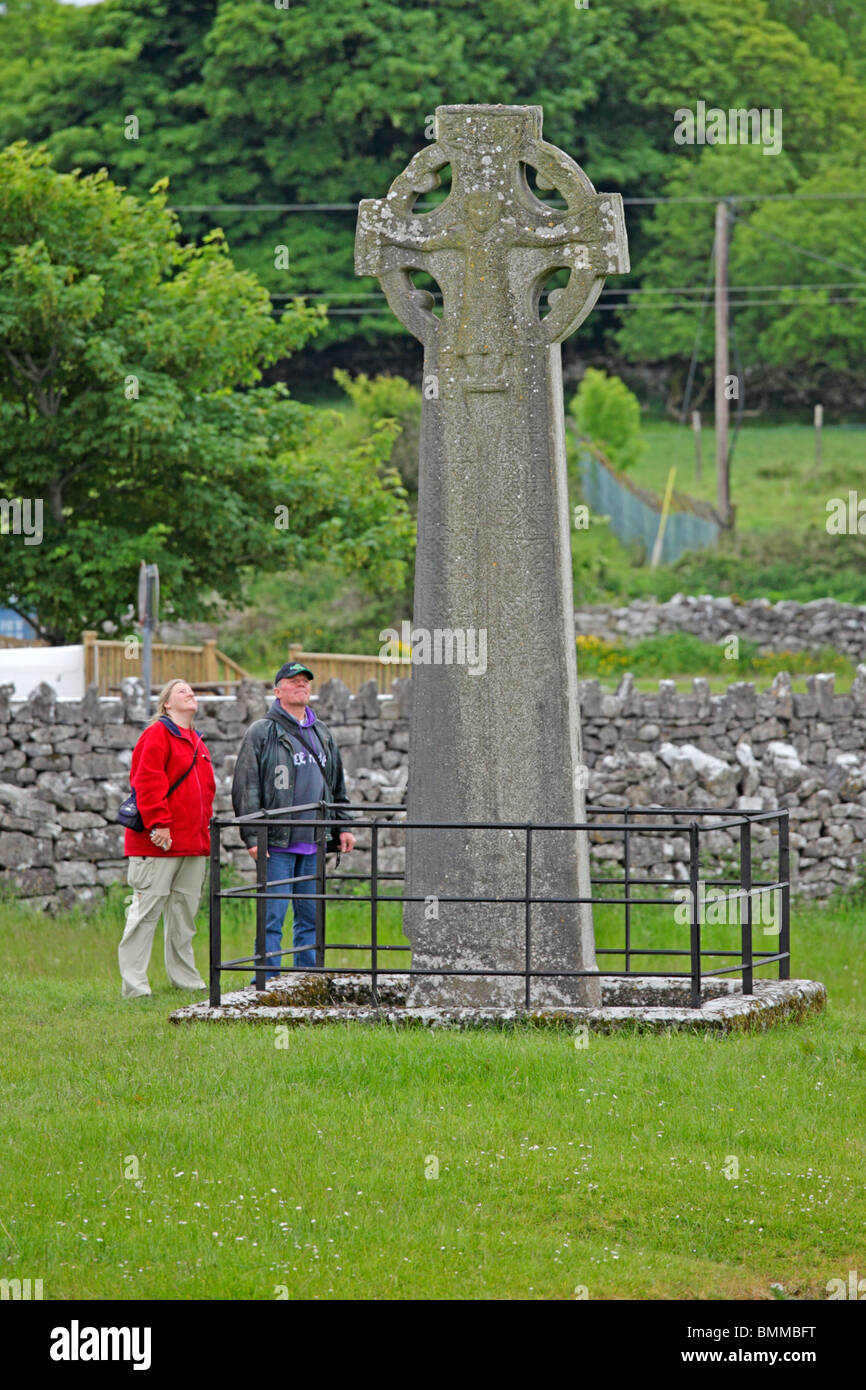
608 414
753 61
131 413
388 397
246 103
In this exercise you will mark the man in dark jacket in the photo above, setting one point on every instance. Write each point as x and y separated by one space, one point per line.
287 759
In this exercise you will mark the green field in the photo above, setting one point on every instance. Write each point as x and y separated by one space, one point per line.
779 549
774 483
142 1160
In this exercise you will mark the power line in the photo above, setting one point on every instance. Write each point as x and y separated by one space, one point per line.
637 289
263 207
734 303
697 289
746 198
804 251
654 308
420 207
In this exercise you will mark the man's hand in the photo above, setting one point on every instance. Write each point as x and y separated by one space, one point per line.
253 852
161 837
347 842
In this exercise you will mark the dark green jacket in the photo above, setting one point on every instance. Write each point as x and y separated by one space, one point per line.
267 749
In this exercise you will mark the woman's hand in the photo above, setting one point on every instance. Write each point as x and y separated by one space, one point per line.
161 837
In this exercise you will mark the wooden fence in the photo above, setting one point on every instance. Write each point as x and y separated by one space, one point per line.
352 670
107 663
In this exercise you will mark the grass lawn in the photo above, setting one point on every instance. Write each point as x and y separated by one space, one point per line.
774 485
558 1166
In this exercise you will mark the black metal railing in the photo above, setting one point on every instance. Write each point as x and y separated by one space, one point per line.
745 888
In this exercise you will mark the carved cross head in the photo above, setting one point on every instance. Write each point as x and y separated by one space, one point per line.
492 244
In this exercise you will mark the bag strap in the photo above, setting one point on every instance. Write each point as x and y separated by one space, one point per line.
313 754
174 786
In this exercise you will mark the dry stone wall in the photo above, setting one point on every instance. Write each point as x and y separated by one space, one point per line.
64 770
784 626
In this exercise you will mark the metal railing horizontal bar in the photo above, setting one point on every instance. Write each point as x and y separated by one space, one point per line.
275 811
751 816
366 878
363 946
240 961
763 883
762 886
676 882
243 891
683 811
600 951
512 974
764 960
654 882
391 808
667 951
240 894
291 819
251 894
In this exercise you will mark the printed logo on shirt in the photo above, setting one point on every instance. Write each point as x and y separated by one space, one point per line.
299 759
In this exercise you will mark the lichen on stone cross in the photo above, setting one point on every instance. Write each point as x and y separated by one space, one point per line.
468 243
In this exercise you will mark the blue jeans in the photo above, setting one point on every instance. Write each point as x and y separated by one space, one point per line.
290 866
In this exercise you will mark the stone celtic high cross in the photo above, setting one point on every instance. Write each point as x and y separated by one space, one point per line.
495 728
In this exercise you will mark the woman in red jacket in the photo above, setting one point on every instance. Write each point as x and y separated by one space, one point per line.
167 859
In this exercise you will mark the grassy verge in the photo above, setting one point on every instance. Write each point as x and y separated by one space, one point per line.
679 656
145 1161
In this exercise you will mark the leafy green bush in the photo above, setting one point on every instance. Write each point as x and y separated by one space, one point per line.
608 414
683 654
802 565
386 397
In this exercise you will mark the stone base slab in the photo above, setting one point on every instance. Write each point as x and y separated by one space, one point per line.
650 1003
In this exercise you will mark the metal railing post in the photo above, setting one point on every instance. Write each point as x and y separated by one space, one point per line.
527 894
321 847
215 915
785 880
374 910
746 902
627 867
694 917
261 903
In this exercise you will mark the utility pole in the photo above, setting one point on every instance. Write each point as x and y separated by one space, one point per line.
723 490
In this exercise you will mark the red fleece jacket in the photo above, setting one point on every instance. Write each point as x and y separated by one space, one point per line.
158 759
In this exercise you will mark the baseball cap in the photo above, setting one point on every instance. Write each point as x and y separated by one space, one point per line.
293 668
